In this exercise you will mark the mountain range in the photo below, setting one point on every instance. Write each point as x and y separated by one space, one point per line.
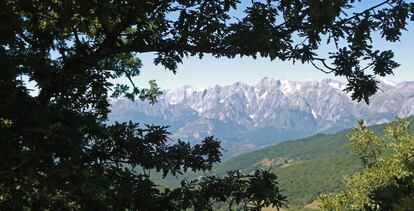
247 117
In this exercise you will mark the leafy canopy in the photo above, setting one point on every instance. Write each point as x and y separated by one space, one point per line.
66 38
387 182
57 152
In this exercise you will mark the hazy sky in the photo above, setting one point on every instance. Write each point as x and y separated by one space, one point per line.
210 71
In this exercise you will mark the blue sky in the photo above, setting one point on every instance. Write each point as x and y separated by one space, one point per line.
210 71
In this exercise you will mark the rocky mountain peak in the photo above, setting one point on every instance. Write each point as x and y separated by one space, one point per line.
268 112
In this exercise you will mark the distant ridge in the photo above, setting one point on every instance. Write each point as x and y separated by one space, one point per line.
246 116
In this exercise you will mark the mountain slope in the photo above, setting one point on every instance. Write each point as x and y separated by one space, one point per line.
306 167
246 117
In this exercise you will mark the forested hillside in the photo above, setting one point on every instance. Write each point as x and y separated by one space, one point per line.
305 167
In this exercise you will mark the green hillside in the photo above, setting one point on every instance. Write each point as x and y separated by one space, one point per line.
305 167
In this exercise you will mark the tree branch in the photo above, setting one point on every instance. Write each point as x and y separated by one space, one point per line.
363 12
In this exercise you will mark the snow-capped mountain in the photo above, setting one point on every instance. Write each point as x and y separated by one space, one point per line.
248 116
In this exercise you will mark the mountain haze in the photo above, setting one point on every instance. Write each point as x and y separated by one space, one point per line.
250 116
